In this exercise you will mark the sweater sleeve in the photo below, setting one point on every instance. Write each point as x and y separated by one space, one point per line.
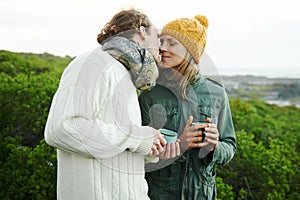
79 123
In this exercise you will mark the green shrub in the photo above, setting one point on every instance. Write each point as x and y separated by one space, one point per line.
24 106
27 173
28 63
27 84
265 166
224 191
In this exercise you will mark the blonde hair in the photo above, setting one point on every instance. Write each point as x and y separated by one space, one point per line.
187 70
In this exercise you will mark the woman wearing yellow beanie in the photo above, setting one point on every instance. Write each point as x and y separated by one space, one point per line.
183 97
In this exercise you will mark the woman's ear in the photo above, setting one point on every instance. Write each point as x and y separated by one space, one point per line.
142 33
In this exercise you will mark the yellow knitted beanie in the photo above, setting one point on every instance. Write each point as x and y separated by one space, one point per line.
190 32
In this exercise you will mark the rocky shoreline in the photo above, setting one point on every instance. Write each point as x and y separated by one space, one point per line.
279 91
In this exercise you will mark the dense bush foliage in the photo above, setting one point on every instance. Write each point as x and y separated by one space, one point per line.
27 164
25 172
28 82
28 63
266 165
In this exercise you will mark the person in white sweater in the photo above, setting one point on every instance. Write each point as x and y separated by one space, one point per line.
95 121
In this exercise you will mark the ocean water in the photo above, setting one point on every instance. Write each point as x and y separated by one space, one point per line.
208 67
269 73
283 103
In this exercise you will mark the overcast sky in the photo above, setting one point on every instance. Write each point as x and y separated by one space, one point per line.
257 36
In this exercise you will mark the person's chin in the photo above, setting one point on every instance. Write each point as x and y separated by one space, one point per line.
165 65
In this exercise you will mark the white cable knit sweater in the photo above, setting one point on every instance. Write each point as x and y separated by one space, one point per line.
95 123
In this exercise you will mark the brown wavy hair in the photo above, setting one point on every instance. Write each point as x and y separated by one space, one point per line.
125 24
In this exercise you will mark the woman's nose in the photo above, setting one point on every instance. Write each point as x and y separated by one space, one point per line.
162 47
161 50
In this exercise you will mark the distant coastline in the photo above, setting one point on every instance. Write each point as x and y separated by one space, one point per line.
291 75
280 91
264 72
260 78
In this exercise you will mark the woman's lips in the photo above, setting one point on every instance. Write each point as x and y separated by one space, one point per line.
164 57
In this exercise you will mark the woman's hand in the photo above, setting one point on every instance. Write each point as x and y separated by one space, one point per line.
171 150
159 143
191 137
212 136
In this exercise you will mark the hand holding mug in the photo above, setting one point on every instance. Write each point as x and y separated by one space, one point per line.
191 136
211 136
171 150
158 143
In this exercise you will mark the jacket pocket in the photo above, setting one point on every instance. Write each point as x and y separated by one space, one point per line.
208 112
164 116
173 118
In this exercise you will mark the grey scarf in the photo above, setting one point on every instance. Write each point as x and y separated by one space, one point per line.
140 63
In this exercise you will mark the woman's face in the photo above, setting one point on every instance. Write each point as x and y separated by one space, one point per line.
172 51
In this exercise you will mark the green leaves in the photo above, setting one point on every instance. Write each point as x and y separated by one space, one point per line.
27 84
26 94
265 166
27 173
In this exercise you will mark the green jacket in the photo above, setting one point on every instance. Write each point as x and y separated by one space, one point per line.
192 175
